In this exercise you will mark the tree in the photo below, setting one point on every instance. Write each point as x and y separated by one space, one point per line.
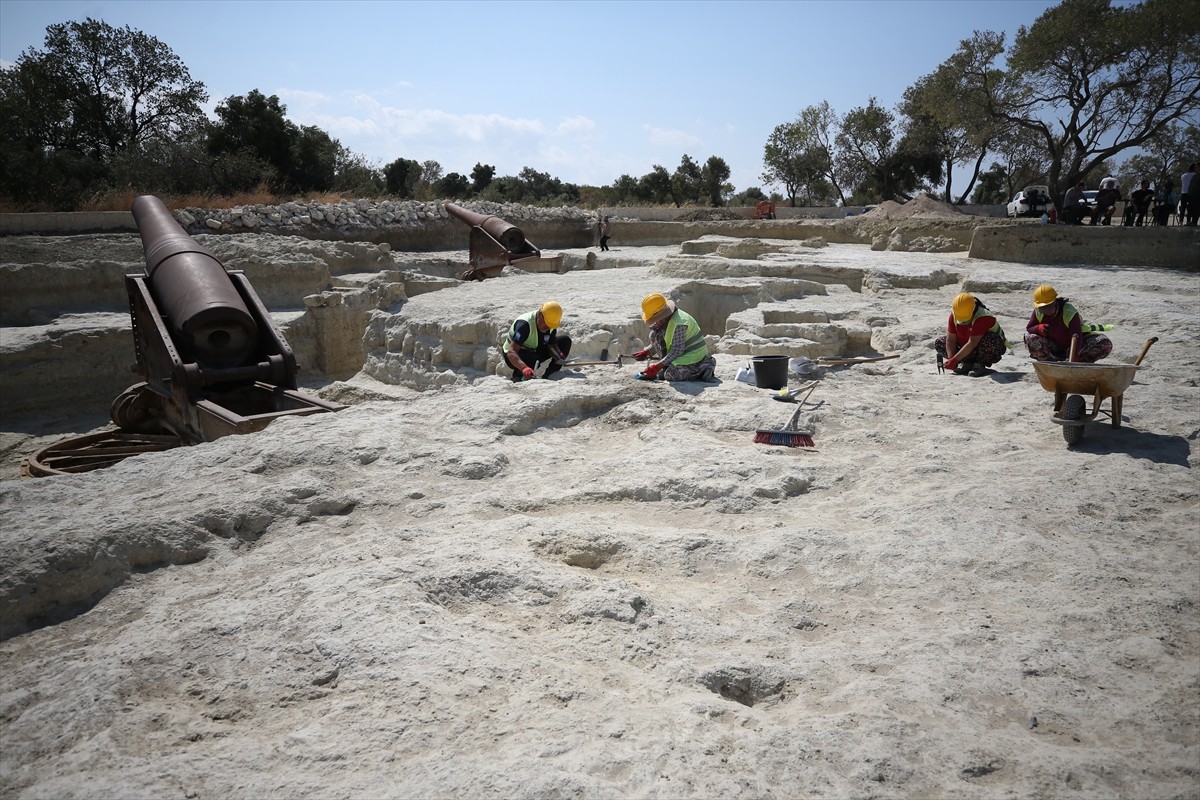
481 176
992 188
1163 158
1090 81
1024 161
655 185
687 182
714 177
401 177
453 186
865 148
784 159
94 92
431 173
748 197
353 173
123 86
254 125
314 160
800 155
952 115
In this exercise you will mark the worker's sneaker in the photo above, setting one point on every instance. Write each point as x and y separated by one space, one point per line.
962 369
978 371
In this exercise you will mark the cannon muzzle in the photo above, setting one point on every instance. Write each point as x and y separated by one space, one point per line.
204 311
508 235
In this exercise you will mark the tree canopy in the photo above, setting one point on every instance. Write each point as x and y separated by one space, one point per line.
1089 80
103 109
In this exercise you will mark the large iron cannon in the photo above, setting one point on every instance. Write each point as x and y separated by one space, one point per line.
211 359
496 243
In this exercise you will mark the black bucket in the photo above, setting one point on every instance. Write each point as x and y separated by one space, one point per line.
770 372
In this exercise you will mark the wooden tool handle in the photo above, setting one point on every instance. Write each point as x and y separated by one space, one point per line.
1145 349
1074 347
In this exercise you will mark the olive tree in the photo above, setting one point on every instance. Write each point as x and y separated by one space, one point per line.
954 116
799 155
93 92
1089 80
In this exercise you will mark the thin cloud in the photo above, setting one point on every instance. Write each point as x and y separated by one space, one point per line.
578 125
302 97
672 138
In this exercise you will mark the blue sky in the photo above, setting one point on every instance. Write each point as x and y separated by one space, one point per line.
584 91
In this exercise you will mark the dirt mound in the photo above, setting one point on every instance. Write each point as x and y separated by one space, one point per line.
922 206
708 215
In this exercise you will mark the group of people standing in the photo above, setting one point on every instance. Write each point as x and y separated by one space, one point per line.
974 340
1144 202
678 350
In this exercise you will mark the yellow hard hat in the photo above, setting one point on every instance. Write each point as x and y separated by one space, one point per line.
552 313
1044 295
651 305
964 307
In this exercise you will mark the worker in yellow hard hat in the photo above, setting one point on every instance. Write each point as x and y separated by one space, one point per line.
534 339
1052 325
974 339
677 343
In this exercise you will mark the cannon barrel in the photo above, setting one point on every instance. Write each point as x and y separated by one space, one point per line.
205 313
508 235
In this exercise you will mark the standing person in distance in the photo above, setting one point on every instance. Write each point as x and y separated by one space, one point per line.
1189 196
605 233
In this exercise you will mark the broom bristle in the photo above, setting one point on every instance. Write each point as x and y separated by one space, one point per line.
783 438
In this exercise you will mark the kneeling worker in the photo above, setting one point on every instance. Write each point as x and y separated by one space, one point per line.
534 339
974 339
676 341
1054 322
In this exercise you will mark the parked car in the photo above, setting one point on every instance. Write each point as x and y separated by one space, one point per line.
1032 201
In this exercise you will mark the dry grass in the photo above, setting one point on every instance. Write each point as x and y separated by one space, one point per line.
123 201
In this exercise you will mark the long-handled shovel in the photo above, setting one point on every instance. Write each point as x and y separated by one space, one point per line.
620 362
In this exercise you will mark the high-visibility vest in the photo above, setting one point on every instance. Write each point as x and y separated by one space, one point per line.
1068 314
695 348
531 340
982 311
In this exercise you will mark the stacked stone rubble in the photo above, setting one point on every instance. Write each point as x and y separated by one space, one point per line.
351 215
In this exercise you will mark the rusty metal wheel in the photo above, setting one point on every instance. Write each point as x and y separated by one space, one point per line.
138 408
95 451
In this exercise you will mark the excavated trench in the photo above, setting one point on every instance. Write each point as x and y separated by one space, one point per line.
351 307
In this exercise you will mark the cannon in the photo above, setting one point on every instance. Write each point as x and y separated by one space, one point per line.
496 243
212 361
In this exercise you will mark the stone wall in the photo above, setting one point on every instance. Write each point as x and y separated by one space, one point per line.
1177 247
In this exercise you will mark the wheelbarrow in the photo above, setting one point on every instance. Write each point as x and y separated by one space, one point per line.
1071 381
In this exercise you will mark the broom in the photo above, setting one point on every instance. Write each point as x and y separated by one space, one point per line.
790 435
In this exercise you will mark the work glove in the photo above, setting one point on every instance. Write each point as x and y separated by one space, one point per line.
559 357
1040 330
951 363
527 372
641 355
650 373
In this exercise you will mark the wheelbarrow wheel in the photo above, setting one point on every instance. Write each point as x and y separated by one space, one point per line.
1073 410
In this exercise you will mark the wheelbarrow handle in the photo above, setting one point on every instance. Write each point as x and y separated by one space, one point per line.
1145 349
